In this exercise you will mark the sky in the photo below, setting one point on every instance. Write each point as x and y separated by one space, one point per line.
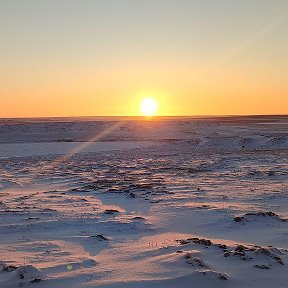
102 57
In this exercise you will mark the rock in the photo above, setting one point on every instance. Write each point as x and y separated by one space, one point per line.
265 267
197 261
183 242
111 211
222 246
261 213
205 242
139 218
212 273
100 237
240 248
267 252
36 280
238 219
263 251
236 253
279 260
131 195
227 254
187 256
9 268
193 239
222 276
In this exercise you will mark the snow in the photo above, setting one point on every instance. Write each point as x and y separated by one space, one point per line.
153 204
53 148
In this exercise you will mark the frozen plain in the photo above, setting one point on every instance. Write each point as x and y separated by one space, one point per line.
170 202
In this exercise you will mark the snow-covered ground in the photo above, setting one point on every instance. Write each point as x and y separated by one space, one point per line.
63 148
175 202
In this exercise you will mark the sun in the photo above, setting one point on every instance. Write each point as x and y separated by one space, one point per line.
149 106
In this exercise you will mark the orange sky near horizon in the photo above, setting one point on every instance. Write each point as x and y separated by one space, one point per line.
64 58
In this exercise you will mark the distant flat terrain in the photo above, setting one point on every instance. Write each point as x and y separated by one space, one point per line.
134 128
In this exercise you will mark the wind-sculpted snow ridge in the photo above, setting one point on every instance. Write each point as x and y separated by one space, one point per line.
204 206
258 215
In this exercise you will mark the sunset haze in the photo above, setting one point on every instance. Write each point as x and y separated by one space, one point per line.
96 58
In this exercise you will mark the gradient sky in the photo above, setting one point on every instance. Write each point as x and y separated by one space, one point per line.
101 57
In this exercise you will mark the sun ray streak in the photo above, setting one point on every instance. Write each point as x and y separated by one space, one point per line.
78 149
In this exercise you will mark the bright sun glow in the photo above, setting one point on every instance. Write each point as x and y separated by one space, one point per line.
149 106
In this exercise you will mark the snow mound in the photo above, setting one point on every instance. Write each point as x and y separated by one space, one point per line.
23 275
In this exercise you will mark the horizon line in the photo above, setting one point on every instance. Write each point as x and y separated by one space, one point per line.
150 117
